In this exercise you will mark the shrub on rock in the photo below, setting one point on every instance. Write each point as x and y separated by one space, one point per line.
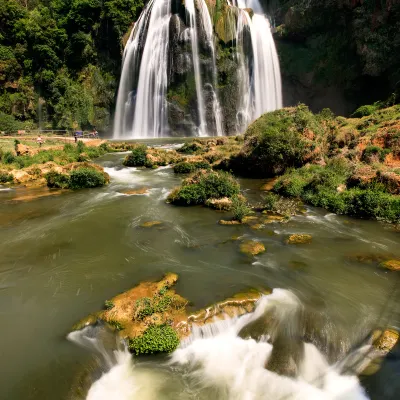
156 339
57 180
87 178
205 185
277 141
137 158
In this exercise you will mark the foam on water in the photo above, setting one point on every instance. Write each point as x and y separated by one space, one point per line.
217 357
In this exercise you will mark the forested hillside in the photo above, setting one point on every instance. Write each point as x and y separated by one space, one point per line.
61 57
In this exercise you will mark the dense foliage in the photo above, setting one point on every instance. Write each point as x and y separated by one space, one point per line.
79 178
137 158
203 186
156 339
325 186
60 61
277 141
186 167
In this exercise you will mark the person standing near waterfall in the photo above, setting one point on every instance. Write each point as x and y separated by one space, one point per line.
39 140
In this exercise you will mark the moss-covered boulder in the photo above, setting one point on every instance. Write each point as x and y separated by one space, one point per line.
153 318
252 247
299 239
393 265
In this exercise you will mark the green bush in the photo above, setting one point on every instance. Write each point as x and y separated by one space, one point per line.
137 158
270 199
240 208
366 110
16 143
8 123
86 178
371 151
188 195
9 157
156 339
317 186
184 168
205 185
56 180
80 147
274 143
191 148
69 148
5 177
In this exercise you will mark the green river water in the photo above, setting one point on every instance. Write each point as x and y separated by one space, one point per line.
63 255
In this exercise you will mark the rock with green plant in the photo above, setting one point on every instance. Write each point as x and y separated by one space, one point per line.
153 318
204 185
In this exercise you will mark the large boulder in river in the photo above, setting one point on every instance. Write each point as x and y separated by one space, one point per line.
153 318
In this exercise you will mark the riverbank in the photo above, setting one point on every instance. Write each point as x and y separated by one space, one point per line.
345 165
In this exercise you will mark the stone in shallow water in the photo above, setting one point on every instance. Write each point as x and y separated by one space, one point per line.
386 340
140 191
393 265
252 247
229 222
299 239
150 224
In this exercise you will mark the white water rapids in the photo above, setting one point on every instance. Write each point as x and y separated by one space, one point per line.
219 361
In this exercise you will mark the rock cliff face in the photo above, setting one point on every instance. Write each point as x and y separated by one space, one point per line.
337 54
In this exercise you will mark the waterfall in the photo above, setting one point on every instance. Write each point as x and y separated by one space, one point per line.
161 96
191 11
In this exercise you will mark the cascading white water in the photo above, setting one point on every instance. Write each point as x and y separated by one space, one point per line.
191 12
208 29
150 110
142 104
265 92
219 361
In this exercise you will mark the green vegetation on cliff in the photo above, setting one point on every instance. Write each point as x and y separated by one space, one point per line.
348 166
60 60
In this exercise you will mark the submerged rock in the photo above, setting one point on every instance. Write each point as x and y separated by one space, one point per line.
252 247
299 239
229 222
140 191
150 224
386 340
393 265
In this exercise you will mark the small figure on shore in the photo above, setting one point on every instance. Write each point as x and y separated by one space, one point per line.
76 136
39 140
95 134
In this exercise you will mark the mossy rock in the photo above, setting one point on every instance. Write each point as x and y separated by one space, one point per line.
252 248
393 265
153 318
151 224
229 222
299 239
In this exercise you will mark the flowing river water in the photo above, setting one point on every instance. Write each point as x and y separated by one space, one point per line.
63 255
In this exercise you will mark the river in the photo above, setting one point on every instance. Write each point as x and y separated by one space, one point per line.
63 255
